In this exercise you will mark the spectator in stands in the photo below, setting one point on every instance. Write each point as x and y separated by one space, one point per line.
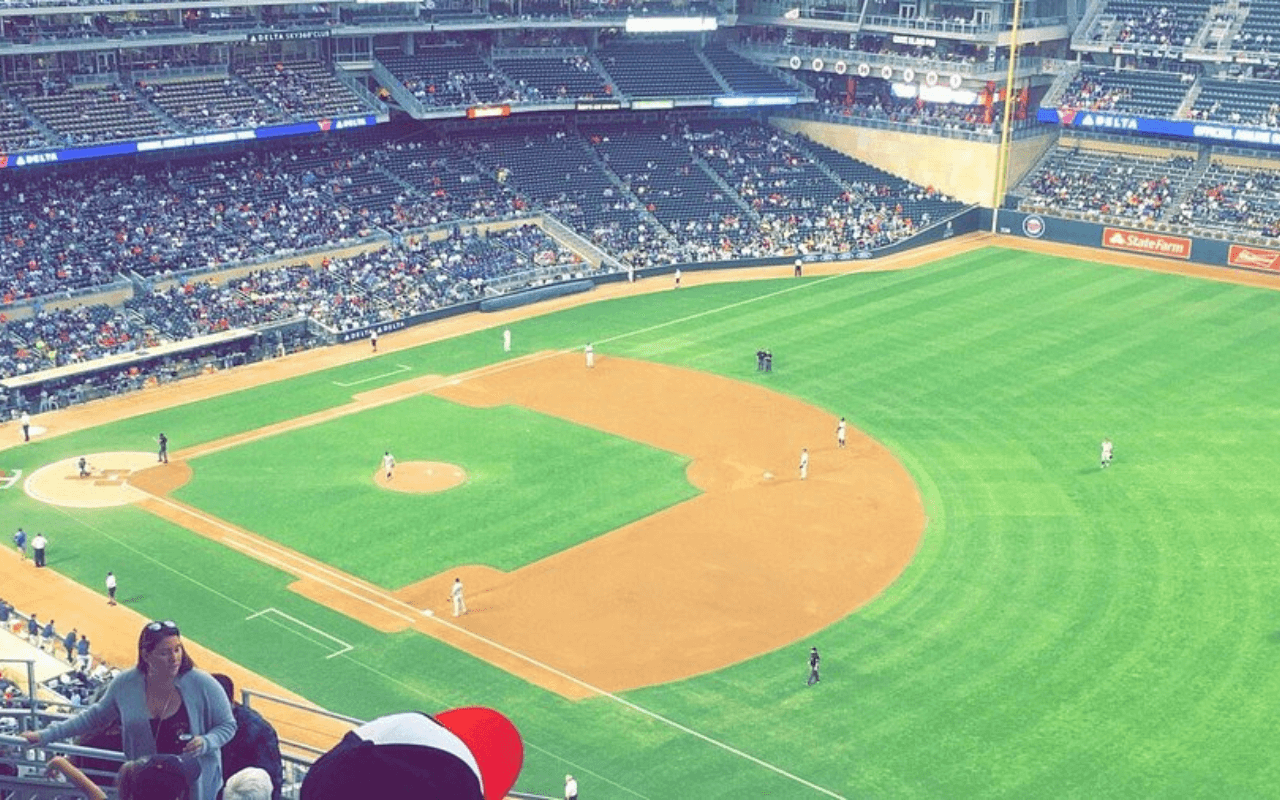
250 783
160 777
194 716
255 743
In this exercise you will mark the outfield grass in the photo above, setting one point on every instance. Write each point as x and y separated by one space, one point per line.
1063 630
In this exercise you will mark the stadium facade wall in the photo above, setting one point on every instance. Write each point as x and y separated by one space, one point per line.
1120 238
963 169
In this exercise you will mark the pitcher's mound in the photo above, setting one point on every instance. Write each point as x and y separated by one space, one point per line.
418 477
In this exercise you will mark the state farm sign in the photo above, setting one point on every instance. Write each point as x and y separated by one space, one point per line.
1253 257
1152 244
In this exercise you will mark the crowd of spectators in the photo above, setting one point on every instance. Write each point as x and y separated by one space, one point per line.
1234 198
1106 184
130 226
58 337
1265 118
75 686
1090 92
1154 25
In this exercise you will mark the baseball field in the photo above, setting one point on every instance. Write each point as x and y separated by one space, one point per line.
997 615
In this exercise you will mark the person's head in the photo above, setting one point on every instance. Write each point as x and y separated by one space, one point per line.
250 783
158 777
228 685
161 652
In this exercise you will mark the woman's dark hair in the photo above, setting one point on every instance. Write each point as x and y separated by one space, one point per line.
154 633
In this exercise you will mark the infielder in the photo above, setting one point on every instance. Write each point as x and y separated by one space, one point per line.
83 463
804 463
388 463
1106 453
455 594
591 355
840 431
163 455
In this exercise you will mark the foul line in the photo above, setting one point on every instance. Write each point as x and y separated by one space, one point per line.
345 647
401 368
250 546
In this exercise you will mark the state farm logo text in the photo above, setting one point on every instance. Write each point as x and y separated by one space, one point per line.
1152 244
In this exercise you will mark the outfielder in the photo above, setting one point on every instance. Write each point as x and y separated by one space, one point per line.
814 661
1106 453
388 463
506 340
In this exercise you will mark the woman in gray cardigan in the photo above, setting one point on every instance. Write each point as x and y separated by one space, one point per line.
148 699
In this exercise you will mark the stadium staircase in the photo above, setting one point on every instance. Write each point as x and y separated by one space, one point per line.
1189 102
715 73
1094 25
1053 96
729 191
1204 160
407 102
594 58
620 185
146 102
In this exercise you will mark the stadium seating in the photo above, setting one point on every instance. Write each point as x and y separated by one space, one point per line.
212 103
1231 198
303 90
658 69
447 76
1154 94
1260 31
1238 102
743 76
565 78
96 114
1105 183
1171 22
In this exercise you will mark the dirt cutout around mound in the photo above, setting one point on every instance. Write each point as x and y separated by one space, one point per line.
421 477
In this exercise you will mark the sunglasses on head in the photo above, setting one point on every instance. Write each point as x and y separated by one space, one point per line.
168 624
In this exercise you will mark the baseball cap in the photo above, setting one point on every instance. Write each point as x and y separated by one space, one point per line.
164 776
462 754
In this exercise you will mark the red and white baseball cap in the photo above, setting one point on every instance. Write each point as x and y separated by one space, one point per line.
462 754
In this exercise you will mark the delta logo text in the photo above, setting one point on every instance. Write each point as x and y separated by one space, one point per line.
1253 257
1152 244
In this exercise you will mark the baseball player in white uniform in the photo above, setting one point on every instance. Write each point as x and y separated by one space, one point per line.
388 463
373 339
1106 453
591 355
840 432
455 594
804 463
506 340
